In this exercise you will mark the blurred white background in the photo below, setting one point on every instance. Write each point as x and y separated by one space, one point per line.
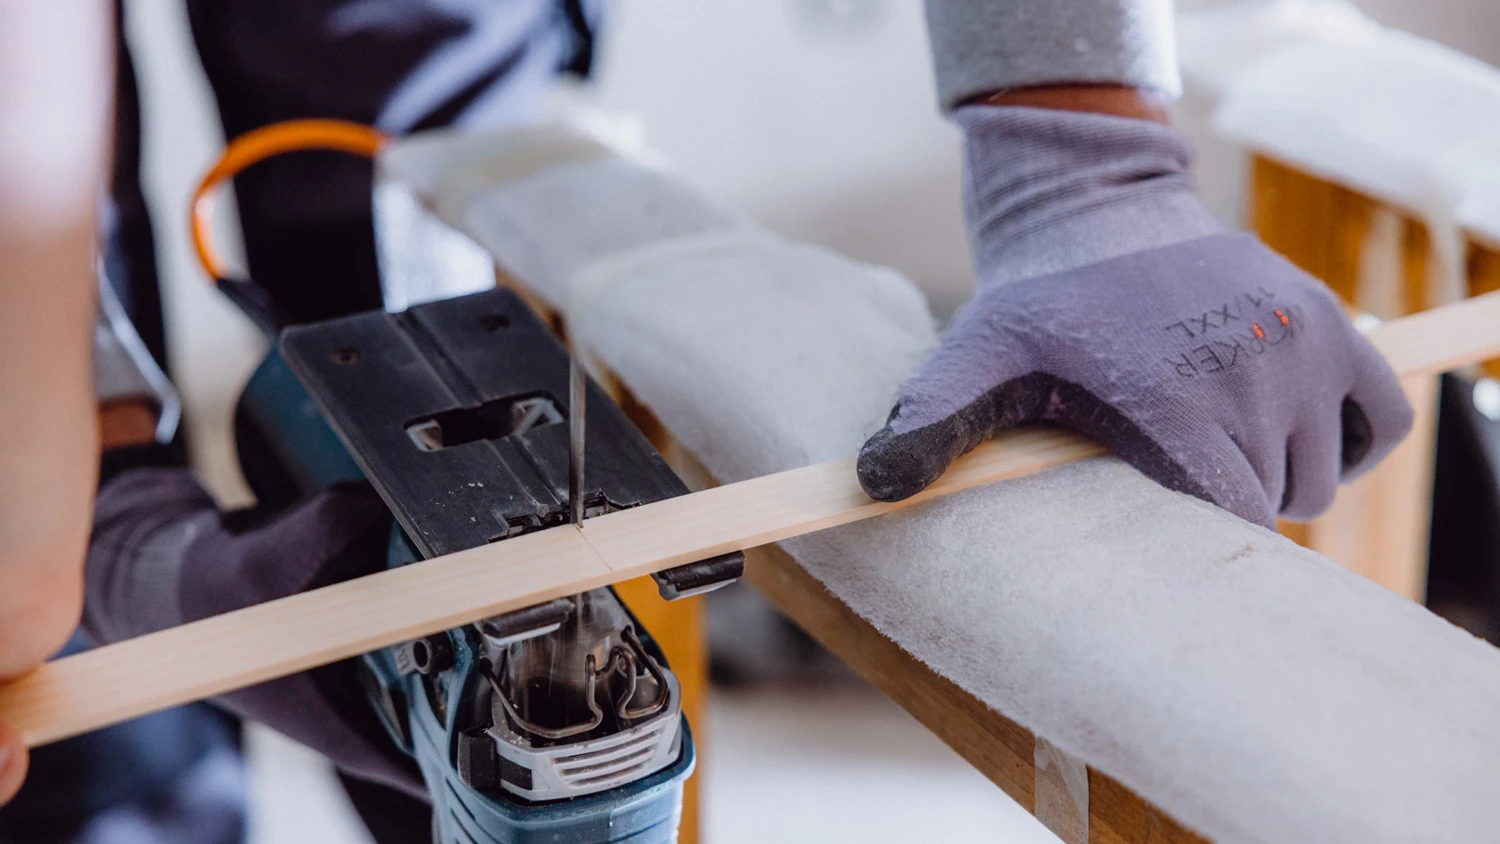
817 117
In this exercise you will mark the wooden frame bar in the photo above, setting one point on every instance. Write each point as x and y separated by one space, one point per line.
1380 260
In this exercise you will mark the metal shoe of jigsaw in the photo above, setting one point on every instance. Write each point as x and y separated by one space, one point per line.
560 722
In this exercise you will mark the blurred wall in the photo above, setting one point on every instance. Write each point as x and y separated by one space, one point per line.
1472 26
818 117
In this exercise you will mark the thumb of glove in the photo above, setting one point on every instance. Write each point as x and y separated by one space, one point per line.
940 415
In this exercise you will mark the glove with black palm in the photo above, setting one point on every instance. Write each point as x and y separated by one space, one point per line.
1110 302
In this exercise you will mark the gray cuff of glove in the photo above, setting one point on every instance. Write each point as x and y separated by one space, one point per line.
982 46
1049 190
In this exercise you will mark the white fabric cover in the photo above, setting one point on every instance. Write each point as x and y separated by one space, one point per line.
1252 689
1316 84
542 226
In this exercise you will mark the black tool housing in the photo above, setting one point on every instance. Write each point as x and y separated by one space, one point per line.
456 412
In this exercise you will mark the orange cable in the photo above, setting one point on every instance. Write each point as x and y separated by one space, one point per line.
267 142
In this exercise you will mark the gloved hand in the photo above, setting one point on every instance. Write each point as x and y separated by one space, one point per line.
1111 303
162 554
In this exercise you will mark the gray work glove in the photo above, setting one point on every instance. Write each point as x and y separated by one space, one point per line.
162 554
1111 303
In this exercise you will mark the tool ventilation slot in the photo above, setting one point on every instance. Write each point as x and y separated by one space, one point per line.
623 762
489 421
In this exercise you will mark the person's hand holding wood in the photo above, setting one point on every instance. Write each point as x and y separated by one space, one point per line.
1112 303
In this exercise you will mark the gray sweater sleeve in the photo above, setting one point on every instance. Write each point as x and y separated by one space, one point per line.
161 554
981 46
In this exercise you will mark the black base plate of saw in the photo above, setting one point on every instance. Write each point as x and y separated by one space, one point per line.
457 412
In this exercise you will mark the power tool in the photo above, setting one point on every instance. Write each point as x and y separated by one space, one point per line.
560 722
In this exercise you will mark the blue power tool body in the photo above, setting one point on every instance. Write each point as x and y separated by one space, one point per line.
561 722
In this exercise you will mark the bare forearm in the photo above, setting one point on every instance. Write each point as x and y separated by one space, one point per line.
1117 100
56 61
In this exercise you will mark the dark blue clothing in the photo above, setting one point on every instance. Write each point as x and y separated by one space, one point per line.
133 775
401 65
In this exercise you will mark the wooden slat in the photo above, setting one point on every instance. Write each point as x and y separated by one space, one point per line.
1317 225
1378 261
112 684
1380 526
677 626
1442 339
115 683
1417 259
1484 277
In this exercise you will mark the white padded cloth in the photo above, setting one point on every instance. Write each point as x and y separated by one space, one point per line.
1316 84
1252 689
569 198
